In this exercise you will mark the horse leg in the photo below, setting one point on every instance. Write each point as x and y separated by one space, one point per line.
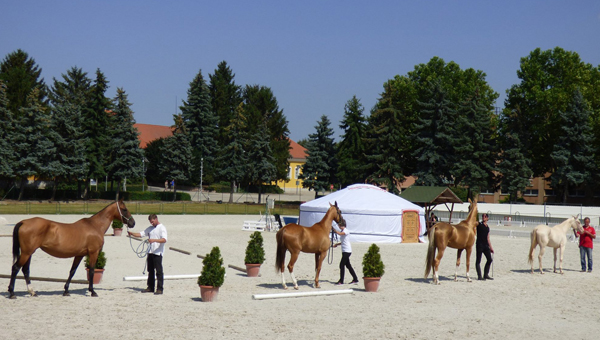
555 250
469 262
26 275
436 265
16 267
562 250
319 257
542 250
458 253
293 258
76 262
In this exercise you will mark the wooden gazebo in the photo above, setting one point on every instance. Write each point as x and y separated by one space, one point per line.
430 197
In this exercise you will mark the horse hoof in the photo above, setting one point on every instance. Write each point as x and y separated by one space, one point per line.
284 287
94 294
12 296
296 287
66 294
34 294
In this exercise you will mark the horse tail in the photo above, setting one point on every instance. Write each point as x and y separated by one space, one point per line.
16 244
430 251
533 244
280 258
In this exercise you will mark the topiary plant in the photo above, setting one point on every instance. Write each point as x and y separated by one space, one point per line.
372 264
100 263
117 224
213 272
255 254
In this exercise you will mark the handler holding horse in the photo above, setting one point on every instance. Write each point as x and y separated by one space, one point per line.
82 238
460 236
315 240
555 237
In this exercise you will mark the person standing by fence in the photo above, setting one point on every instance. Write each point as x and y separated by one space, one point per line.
586 244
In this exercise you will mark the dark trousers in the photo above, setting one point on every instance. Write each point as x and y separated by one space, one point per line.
345 263
155 265
488 257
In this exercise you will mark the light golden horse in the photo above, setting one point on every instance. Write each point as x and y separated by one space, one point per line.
460 236
315 240
555 237
62 240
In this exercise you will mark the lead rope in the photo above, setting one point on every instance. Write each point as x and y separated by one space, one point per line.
141 253
330 254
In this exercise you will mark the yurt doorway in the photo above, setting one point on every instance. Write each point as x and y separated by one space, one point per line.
410 226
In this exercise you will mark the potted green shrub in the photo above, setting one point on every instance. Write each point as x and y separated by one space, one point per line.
117 226
98 269
212 275
255 254
373 268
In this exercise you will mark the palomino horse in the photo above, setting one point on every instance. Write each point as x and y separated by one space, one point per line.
555 237
315 240
62 240
460 236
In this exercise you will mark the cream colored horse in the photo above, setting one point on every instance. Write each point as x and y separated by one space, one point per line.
555 237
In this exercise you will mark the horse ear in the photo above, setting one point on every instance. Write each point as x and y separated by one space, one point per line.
336 204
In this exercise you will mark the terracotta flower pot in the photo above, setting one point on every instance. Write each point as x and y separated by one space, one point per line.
97 275
117 231
371 284
252 269
208 293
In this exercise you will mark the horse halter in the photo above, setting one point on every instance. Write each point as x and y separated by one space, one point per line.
124 219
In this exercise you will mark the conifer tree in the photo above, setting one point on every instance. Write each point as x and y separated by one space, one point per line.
96 125
176 154
319 170
234 158
513 167
351 149
35 150
21 75
126 160
573 153
435 138
202 125
225 98
261 163
7 151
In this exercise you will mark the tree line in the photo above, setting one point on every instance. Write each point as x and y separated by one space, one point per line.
439 124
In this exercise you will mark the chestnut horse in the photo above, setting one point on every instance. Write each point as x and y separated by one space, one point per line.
62 240
460 236
315 240
555 237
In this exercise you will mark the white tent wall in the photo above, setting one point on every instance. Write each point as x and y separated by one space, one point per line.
372 214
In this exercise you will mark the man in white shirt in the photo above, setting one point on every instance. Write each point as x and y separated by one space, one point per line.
346 252
157 237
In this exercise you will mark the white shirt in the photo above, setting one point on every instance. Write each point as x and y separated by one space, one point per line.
345 240
156 233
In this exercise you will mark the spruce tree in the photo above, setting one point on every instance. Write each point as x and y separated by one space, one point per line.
176 155
126 160
21 75
35 150
234 158
202 125
436 138
261 163
387 154
225 98
7 151
96 124
319 170
475 151
351 149
513 167
573 152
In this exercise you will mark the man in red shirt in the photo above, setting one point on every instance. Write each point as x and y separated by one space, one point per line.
586 244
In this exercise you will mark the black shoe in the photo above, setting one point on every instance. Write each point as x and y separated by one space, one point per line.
354 282
158 292
481 278
148 290
339 283
488 278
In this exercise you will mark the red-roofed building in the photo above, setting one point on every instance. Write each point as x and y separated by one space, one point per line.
149 132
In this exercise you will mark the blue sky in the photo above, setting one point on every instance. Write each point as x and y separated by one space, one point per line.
314 55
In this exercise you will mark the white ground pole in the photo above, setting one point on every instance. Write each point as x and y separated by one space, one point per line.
301 294
167 277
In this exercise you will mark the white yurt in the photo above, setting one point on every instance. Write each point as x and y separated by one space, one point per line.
372 214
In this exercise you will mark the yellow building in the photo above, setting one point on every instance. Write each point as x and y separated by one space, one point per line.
297 159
